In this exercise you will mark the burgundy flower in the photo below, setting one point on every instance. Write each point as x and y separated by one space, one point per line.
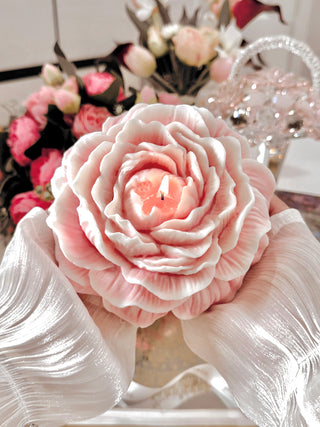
246 10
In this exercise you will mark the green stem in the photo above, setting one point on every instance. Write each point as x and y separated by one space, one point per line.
160 80
201 80
176 70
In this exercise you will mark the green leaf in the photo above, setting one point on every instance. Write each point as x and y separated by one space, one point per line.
163 12
56 134
141 26
4 150
109 96
194 18
67 66
225 15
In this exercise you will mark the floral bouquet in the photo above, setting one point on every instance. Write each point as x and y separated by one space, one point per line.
54 117
181 57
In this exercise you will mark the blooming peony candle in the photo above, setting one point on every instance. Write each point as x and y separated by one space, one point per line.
163 210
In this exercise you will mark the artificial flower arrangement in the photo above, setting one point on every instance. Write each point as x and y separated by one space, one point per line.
55 116
176 57
181 57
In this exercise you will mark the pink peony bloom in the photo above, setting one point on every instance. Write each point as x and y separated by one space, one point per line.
196 47
22 203
161 211
96 83
89 119
43 168
23 133
37 104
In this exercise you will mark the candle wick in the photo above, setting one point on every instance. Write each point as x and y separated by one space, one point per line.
162 195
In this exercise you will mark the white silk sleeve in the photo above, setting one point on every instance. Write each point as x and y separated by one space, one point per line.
266 342
55 365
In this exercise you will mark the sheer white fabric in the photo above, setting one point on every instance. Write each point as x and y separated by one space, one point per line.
266 342
55 365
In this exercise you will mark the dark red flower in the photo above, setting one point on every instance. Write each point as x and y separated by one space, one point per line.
246 10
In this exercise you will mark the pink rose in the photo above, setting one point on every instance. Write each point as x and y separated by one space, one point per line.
23 133
161 211
22 203
96 83
196 46
43 168
37 104
89 119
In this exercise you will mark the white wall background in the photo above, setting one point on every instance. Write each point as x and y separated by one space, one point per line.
92 28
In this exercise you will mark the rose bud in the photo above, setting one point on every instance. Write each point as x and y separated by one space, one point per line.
96 83
139 60
52 75
157 45
196 47
67 102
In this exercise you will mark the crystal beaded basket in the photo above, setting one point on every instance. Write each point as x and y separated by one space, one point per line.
268 106
171 385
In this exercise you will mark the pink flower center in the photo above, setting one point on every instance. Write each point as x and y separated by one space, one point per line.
154 196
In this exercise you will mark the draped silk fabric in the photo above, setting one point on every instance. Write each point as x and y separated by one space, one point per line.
64 359
55 365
